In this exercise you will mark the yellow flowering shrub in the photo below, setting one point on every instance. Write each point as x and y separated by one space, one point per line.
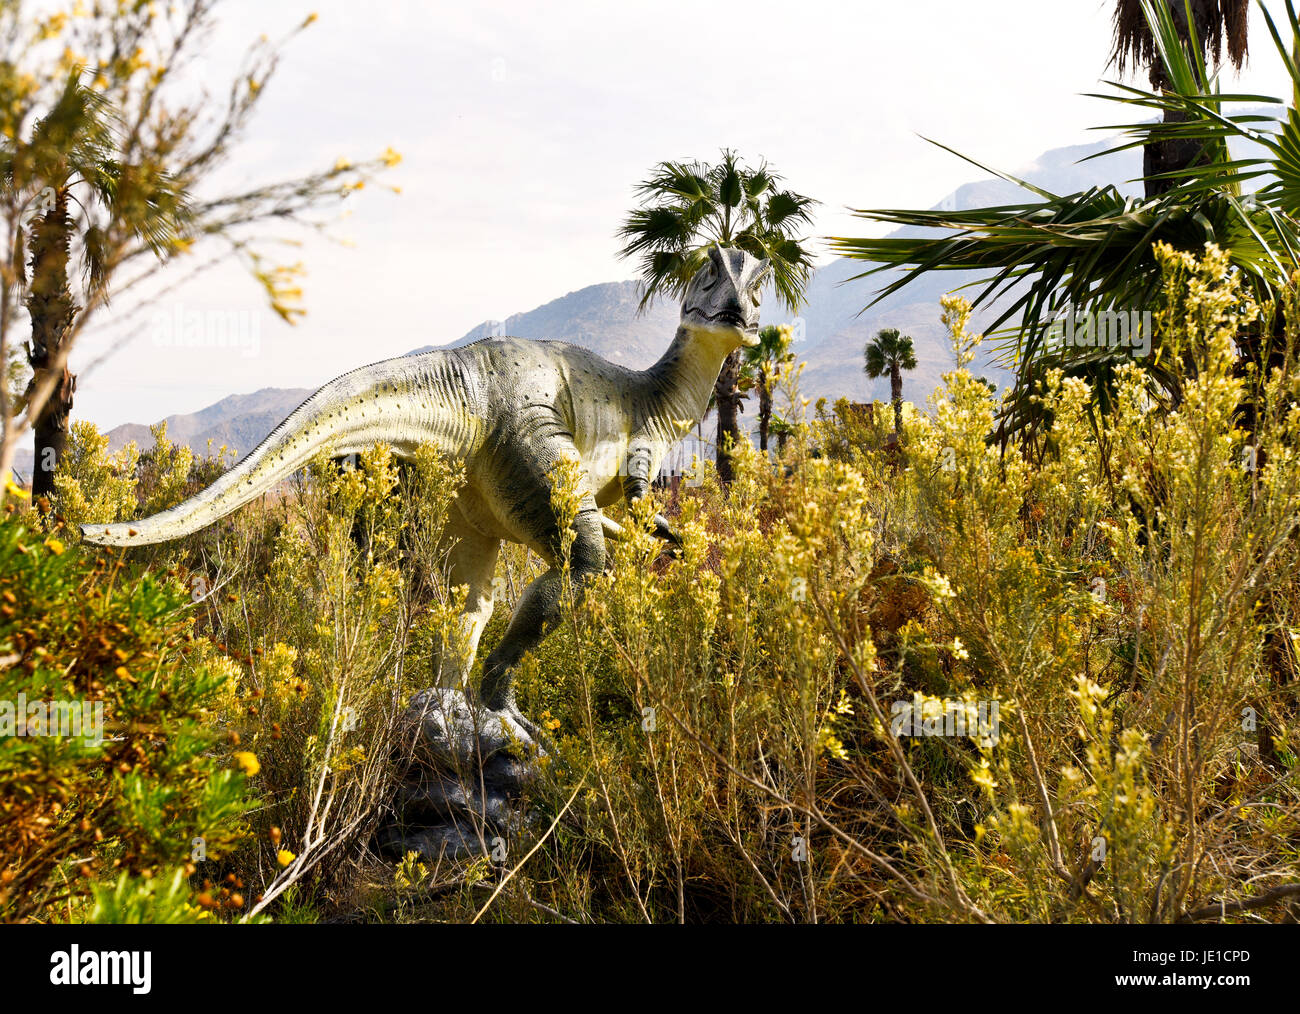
948 680
92 485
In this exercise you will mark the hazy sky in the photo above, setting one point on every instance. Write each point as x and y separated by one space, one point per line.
524 128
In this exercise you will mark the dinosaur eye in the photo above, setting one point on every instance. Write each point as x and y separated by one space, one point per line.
757 294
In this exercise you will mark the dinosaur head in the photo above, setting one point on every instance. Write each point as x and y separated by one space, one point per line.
724 295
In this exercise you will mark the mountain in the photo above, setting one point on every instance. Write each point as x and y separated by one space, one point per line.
239 422
830 332
599 317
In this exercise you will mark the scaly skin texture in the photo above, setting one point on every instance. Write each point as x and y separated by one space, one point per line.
509 408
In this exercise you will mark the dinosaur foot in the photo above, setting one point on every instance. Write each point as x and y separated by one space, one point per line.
469 767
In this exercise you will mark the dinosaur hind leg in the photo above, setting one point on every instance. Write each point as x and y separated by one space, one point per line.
471 561
541 606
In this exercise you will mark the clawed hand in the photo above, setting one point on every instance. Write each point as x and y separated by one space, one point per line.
659 527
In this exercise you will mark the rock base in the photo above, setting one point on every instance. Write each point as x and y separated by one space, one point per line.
468 768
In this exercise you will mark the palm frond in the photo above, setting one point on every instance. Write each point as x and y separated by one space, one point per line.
1095 248
685 207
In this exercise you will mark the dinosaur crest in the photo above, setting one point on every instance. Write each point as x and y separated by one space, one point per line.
725 294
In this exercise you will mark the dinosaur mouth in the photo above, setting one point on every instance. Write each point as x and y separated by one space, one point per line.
732 317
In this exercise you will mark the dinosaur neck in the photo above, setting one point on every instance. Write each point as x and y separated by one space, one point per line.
683 378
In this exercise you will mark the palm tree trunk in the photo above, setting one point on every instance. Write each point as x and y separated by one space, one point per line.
896 395
52 310
727 393
1168 156
764 408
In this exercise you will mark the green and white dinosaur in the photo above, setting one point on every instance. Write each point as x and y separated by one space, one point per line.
509 409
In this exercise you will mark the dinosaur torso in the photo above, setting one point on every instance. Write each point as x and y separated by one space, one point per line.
511 394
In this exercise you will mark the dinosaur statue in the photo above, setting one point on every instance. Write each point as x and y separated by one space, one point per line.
508 408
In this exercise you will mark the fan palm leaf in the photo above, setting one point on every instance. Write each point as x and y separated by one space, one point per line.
687 207
1095 248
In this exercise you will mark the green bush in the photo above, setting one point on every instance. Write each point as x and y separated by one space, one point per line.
82 628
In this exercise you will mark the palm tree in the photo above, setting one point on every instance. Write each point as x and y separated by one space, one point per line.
782 430
68 160
686 207
1213 23
1095 249
889 355
760 363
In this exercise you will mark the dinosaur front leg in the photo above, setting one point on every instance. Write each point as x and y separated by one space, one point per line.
666 532
614 532
636 483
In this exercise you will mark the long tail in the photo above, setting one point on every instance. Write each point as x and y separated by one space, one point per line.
403 402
